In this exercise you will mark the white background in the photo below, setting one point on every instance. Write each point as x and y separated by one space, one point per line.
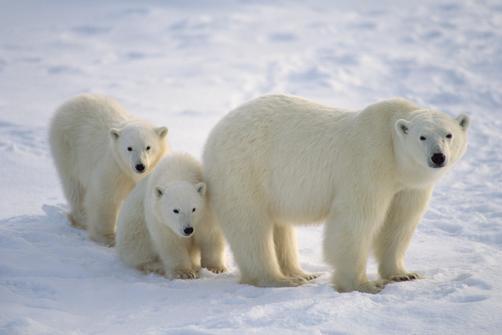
184 65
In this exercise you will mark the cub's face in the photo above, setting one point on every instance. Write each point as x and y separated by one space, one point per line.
138 148
432 140
180 205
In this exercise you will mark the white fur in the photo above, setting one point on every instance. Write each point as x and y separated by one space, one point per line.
89 138
150 235
281 160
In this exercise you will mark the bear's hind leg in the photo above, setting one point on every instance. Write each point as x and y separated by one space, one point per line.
211 243
101 212
249 232
393 239
74 192
75 196
287 252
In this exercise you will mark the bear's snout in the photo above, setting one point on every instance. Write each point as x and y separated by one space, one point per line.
140 168
188 231
438 159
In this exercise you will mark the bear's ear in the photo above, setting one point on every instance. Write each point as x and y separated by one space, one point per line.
114 133
463 121
161 131
158 192
201 188
402 127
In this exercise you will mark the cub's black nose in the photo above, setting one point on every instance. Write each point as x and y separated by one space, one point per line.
140 167
438 159
188 231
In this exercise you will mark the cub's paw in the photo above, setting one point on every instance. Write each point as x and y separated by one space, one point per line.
153 267
279 282
304 276
295 281
216 268
405 277
107 240
74 222
185 274
372 287
311 276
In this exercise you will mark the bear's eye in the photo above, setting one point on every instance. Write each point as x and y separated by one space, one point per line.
422 138
449 136
129 149
176 211
193 210
148 148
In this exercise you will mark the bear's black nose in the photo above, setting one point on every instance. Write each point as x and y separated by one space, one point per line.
438 159
188 231
140 167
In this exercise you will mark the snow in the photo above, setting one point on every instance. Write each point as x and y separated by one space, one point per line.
184 65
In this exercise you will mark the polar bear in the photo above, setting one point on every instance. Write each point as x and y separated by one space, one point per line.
165 225
100 152
281 160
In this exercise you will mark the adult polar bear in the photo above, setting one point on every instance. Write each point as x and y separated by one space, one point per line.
100 152
280 160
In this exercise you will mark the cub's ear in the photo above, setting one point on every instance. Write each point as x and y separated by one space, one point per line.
402 127
114 133
158 192
201 188
464 121
161 131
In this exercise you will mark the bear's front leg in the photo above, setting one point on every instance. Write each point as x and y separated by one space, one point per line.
347 241
174 253
250 234
392 241
154 266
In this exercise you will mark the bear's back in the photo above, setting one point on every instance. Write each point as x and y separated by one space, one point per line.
93 111
80 131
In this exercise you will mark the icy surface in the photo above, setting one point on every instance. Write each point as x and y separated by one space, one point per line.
184 65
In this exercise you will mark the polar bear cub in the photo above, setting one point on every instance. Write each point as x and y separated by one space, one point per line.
100 152
166 225
280 160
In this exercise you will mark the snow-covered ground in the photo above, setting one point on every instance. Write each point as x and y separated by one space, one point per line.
185 64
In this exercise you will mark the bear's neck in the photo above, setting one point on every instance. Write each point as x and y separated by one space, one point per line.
411 173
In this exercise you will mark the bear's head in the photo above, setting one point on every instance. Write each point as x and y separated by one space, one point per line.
138 147
179 206
429 144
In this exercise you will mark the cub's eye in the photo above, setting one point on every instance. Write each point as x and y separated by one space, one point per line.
129 149
193 210
148 148
449 136
422 138
176 211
